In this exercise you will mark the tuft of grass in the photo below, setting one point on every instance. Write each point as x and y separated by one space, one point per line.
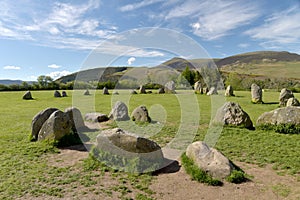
281 190
281 128
236 176
197 174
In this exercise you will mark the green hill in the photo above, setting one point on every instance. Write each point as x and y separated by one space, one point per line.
260 64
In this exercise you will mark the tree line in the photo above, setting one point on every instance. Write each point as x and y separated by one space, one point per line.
209 77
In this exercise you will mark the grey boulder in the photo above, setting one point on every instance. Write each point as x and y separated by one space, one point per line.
119 112
27 96
286 115
140 114
210 160
231 113
38 121
57 126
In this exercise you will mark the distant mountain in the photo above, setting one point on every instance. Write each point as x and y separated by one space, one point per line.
13 82
259 57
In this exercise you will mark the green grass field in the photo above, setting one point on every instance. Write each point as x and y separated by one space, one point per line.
24 170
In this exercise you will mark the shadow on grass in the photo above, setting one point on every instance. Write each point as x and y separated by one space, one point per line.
270 103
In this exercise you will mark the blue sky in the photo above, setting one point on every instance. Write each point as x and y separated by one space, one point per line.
55 37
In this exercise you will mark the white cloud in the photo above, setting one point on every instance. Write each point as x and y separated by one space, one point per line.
130 60
58 74
243 45
214 19
279 29
11 67
125 50
54 66
134 6
59 25
196 26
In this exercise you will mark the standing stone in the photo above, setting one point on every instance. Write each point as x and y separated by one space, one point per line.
57 126
229 91
212 91
161 91
119 112
284 96
140 114
198 87
116 93
57 93
38 121
27 96
86 92
232 114
142 89
105 91
210 160
256 93
76 120
292 102
170 87
205 90
64 94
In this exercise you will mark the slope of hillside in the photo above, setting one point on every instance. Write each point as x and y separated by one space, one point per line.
96 74
259 57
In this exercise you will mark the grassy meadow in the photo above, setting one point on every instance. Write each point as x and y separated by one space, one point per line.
25 171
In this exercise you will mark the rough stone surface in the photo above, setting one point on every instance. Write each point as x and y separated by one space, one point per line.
119 112
27 96
198 87
57 126
64 94
284 96
38 121
210 160
86 92
170 87
105 91
129 145
229 91
142 89
57 93
292 102
286 115
96 117
232 114
256 93
161 91
76 120
212 91
140 114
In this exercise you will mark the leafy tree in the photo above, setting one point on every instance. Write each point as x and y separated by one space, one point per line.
189 75
45 82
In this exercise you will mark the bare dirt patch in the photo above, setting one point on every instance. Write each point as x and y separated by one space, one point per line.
262 186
